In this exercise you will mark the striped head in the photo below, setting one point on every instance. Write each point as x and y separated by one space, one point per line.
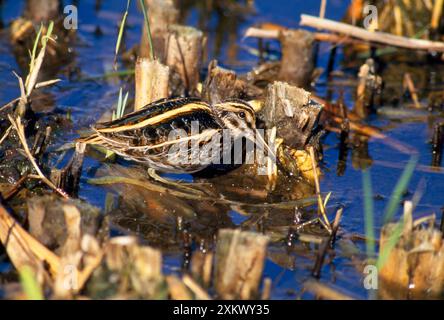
239 117
236 115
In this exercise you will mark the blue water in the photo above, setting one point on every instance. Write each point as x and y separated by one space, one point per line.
88 99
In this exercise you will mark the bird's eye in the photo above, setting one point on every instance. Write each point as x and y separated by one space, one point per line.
242 115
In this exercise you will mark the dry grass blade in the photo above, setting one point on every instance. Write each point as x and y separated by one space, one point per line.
9 104
200 293
47 83
437 12
35 73
408 83
22 248
318 190
266 291
325 292
21 85
323 9
18 126
178 290
6 134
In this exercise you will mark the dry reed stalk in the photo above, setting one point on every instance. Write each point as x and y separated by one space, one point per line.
436 14
9 104
266 291
398 20
48 83
408 83
427 3
274 34
354 11
6 134
323 9
376 37
272 170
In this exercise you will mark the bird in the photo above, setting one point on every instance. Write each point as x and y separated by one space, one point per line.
150 134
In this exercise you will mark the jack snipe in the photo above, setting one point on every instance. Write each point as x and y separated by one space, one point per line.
148 135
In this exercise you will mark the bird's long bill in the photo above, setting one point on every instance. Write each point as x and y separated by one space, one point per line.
259 140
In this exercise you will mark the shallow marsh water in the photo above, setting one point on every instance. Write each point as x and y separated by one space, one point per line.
88 95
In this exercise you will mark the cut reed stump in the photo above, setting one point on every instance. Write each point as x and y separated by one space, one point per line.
68 178
297 57
184 55
161 14
201 267
48 222
23 249
177 289
42 10
369 87
221 84
152 79
240 258
129 270
291 110
414 266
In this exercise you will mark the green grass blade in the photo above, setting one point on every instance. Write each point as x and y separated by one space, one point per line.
390 245
368 213
119 103
327 198
121 29
47 35
125 100
118 113
148 29
29 284
400 188
34 48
